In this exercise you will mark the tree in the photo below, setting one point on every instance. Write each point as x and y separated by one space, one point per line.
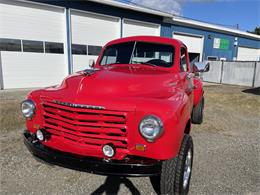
256 31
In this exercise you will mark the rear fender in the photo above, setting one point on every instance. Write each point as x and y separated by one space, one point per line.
198 91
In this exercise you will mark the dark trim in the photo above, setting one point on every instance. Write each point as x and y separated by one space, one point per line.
121 27
1 74
32 46
187 34
221 73
130 167
246 46
254 76
7 44
69 40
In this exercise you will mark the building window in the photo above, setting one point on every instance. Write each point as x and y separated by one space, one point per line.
10 45
52 47
212 58
94 50
79 49
32 46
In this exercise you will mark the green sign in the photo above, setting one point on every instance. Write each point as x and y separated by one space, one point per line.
224 44
221 43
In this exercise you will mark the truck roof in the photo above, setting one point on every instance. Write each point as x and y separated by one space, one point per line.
155 39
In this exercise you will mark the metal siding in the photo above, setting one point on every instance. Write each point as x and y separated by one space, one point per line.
26 70
238 73
208 43
244 42
248 54
136 28
107 10
92 29
166 30
257 75
31 22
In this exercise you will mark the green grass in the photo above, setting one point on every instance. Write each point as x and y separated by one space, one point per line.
10 112
225 106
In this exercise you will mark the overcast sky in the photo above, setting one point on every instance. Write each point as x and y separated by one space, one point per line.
245 13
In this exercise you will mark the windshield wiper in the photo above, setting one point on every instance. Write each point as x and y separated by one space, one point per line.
147 63
111 64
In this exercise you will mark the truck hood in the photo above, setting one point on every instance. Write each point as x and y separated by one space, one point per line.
117 82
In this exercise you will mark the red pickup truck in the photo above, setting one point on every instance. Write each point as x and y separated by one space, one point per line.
129 115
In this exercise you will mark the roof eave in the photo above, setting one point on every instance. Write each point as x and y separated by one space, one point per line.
133 7
213 27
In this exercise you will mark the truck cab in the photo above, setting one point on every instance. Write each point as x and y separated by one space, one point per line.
129 115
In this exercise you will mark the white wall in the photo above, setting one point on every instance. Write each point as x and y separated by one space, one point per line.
26 70
32 22
135 28
248 54
235 73
193 43
92 29
214 73
27 21
81 62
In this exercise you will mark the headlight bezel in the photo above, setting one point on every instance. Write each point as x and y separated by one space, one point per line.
32 108
156 134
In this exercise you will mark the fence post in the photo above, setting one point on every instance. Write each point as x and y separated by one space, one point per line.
254 76
1 74
221 72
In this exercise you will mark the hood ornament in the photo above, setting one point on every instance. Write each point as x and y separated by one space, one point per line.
89 72
79 105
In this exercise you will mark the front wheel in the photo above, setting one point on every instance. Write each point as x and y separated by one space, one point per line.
197 112
176 173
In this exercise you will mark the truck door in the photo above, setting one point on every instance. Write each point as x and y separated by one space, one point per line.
186 75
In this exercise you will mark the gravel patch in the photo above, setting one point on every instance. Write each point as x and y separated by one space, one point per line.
226 161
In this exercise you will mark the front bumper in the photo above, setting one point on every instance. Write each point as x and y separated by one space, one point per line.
130 167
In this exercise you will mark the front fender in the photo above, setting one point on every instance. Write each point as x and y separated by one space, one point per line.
175 114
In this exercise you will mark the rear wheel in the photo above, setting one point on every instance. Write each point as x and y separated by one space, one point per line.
197 112
176 173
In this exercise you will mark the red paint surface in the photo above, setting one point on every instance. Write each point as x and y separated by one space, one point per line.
128 93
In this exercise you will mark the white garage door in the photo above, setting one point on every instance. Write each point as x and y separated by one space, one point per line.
134 28
193 42
248 54
89 33
32 45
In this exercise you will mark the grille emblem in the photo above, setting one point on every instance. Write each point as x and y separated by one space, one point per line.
79 105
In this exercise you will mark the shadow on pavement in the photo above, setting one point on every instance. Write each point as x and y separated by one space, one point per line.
112 186
255 91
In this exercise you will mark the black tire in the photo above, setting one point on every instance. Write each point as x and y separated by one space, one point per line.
171 179
197 112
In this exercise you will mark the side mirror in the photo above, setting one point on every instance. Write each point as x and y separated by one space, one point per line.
201 66
91 63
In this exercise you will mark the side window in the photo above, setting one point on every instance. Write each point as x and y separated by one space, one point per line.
183 61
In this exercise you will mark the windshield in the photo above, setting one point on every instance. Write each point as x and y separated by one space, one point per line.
153 54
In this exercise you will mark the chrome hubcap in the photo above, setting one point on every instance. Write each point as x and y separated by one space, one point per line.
187 169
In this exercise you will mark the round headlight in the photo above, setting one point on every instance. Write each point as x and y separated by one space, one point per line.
28 108
151 127
108 150
39 135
